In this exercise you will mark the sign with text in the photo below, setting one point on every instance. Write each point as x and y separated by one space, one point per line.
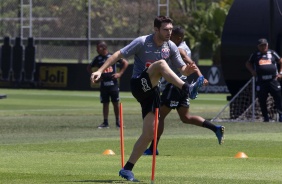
53 76
76 77
216 81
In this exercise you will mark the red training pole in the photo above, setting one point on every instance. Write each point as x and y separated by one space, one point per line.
155 144
121 134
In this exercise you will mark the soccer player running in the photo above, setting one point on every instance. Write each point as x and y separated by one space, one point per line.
151 53
173 98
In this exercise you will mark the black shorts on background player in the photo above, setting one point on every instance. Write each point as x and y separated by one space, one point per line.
108 95
173 97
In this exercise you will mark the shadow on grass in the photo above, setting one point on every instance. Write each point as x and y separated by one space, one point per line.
104 181
99 181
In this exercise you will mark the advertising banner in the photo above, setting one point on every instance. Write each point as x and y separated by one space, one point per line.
75 77
216 81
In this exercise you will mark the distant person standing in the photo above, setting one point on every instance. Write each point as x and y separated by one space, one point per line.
263 66
108 82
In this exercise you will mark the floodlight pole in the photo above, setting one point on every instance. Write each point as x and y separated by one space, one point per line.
89 32
163 5
25 6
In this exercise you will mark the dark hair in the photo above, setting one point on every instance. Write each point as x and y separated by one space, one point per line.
179 31
161 19
262 41
103 44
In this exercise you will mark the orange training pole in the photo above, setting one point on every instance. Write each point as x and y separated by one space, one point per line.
155 144
121 134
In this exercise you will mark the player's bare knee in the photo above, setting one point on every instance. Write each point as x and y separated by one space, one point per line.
162 63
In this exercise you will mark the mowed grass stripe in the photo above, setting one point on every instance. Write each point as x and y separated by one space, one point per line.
59 160
52 137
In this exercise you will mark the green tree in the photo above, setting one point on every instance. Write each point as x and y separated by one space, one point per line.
203 22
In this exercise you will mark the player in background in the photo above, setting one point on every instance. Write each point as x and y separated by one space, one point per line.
172 98
263 65
108 84
151 54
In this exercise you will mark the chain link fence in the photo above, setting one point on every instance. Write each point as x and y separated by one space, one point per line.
66 31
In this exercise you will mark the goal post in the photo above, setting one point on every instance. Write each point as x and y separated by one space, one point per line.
244 106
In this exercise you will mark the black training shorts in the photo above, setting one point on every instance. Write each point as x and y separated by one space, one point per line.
173 97
106 95
148 97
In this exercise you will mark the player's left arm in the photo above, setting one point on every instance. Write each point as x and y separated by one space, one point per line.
279 76
124 64
280 63
278 60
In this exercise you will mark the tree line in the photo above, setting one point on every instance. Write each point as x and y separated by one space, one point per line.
203 20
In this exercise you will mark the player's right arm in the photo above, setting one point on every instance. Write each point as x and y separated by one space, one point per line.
189 61
250 67
191 64
95 76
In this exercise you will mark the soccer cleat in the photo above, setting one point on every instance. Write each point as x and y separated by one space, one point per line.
220 134
103 125
117 125
149 152
128 175
194 87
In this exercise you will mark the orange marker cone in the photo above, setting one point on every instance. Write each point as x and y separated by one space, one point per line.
108 152
241 155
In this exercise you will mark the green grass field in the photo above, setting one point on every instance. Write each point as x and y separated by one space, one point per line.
51 137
